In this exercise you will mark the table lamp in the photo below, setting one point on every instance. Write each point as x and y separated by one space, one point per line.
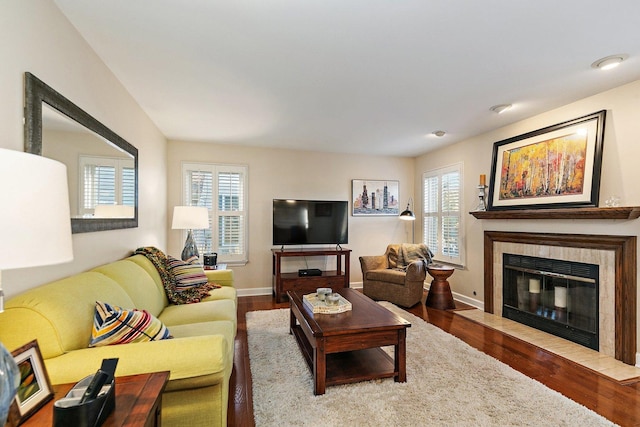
35 225
190 218
408 215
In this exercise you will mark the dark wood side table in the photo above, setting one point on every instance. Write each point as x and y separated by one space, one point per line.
439 295
138 402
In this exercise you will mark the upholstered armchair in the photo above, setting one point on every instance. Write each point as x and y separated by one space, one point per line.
396 278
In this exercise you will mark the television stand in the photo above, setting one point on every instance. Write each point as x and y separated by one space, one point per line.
334 279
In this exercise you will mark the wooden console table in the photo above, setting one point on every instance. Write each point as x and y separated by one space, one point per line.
138 402
284 282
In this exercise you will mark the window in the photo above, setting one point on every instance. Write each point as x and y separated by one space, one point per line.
442 213
226 185
105 181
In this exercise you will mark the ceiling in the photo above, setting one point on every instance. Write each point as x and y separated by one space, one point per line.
355 76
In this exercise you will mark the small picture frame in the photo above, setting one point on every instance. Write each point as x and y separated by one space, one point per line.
35 388
374 197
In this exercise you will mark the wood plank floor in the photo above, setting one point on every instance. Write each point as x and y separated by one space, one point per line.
619 403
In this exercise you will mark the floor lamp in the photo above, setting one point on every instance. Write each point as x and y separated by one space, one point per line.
35 225
190 218
408 215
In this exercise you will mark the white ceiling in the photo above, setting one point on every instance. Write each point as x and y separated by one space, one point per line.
355 76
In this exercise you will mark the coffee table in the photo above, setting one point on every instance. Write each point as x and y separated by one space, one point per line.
345 348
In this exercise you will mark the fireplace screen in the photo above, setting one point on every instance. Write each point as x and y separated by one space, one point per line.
555 296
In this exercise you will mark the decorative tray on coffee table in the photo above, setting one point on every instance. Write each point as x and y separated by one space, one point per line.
318 306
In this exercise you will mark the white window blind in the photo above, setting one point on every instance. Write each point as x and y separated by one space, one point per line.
105 181
227 186
442 213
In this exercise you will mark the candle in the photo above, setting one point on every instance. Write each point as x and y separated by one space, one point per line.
534 286
560 299
483 179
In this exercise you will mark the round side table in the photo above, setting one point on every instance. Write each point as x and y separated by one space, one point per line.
439 295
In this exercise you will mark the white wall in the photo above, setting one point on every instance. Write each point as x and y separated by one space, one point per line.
620 175
302 175
36 37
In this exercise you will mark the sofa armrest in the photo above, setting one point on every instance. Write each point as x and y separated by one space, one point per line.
416 271
375 262
221 277
187 357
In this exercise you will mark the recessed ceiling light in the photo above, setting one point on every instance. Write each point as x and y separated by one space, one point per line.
499 109
439 133
609 62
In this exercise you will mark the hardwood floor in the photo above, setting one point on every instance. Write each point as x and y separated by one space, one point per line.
618 403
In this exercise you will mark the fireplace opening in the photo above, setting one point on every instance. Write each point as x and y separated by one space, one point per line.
554 296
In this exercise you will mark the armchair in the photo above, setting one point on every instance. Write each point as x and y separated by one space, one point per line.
395 277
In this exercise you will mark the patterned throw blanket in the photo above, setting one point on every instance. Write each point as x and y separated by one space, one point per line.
410 252
186 296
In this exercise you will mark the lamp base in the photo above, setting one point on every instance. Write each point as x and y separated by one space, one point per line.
190 249
9 381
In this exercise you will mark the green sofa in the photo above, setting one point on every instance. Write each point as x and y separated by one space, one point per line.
199 357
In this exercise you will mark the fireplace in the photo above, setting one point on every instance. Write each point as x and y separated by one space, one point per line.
616 258
555 296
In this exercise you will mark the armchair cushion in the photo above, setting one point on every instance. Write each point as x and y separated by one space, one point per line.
387 275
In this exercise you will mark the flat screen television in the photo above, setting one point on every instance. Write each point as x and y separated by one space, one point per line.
310 222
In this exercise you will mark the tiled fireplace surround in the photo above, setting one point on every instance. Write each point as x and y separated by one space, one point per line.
616 256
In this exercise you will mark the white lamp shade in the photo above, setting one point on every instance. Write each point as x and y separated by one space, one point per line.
35 221
190 218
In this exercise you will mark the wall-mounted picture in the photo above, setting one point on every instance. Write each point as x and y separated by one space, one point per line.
34 389
554 167
374 197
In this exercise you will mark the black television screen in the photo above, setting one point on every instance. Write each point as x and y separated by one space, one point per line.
309 222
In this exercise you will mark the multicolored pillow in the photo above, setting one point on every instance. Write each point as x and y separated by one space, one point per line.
187 275
115 325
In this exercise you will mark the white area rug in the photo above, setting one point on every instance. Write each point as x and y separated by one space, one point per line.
448 383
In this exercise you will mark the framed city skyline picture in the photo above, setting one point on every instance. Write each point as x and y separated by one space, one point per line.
374 197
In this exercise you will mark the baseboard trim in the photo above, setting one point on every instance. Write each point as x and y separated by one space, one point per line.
254 292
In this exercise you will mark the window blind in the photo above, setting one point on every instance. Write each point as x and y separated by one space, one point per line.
442 213
227 185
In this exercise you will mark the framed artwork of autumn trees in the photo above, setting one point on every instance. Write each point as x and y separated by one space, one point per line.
554 167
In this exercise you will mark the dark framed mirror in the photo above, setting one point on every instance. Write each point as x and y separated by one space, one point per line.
102 167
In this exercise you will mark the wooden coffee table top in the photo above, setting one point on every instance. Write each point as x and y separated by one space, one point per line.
365 314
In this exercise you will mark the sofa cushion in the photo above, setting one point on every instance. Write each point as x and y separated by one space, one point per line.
115 325
208 311
223 293
187 274
138 283
59 314
148 266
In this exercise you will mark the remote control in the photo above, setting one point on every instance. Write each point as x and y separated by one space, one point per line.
95 386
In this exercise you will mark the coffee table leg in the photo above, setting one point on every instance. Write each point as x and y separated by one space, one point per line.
401 357
319 368
292 320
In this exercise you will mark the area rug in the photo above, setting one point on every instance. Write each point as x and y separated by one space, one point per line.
448 383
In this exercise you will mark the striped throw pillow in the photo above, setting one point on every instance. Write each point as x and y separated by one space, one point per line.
115 325
187 274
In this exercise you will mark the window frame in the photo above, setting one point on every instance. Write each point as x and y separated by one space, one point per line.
118 164
215 213
439 255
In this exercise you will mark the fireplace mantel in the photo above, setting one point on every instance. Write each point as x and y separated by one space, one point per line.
628 212
624 248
